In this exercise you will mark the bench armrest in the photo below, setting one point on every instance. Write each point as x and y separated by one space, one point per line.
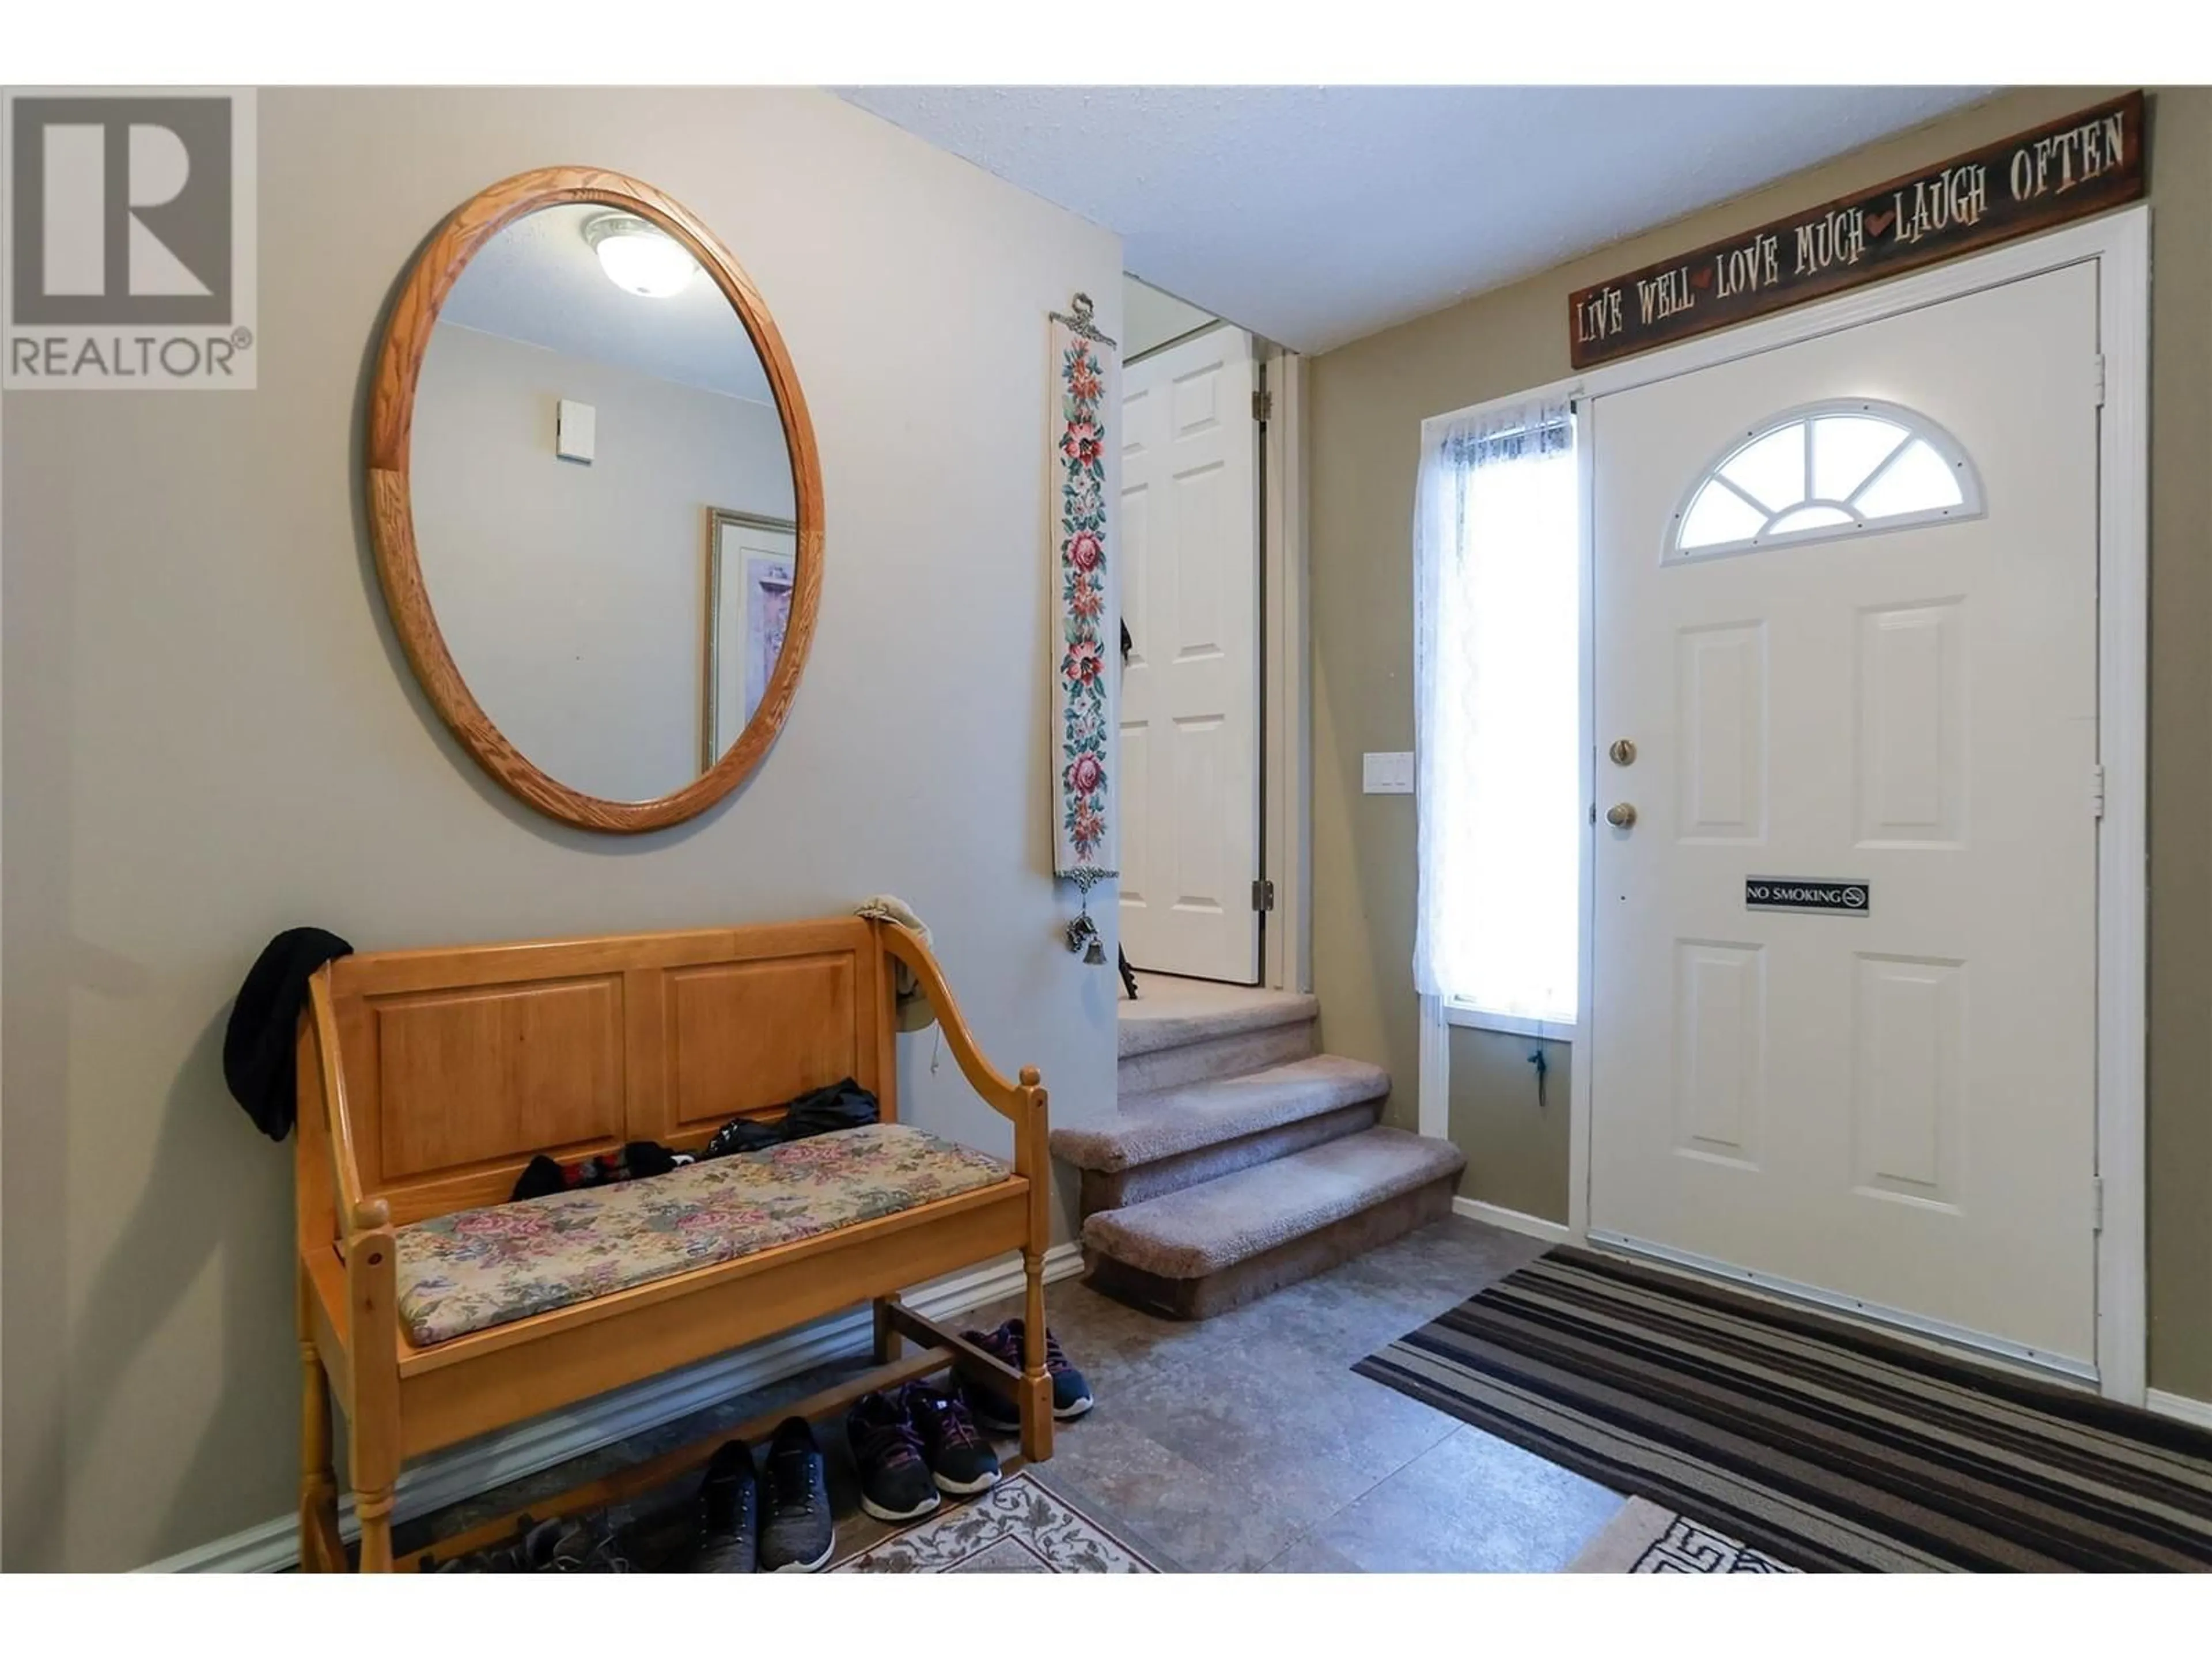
1024 1104
1009 1100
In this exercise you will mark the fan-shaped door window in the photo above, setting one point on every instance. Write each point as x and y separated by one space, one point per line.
1815 474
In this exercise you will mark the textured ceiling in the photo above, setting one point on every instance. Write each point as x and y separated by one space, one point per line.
1314 215
539 281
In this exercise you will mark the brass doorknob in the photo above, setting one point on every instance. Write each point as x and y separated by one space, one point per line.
1620 815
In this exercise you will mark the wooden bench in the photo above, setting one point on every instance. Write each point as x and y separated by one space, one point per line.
428 1079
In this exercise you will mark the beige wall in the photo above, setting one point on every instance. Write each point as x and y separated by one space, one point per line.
1368 401
573 595
211 734
1496 1105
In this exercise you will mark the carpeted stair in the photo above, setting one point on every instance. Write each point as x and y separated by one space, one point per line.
1184 1030
1240 1160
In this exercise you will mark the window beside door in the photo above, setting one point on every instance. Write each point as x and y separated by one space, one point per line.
1498 632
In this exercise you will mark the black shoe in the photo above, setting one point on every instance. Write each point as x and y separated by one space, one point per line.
533 1551
797 1535
729 1513
960 1459
739 1134
1071 1394
500 1558
587 1544
843 1105
590 1543
895 1482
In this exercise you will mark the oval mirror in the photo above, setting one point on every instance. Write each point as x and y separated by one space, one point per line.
595 499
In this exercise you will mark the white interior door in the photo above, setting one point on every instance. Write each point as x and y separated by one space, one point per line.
1190 692
1896 1107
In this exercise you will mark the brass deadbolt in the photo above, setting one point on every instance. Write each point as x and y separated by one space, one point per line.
1623 752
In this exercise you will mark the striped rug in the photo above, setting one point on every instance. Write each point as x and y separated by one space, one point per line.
1827 1446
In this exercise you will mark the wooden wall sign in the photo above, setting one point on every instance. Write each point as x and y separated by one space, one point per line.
2067 170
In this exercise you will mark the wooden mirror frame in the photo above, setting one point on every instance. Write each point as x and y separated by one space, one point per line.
390 502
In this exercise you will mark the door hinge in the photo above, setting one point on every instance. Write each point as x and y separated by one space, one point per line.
2097 378
1263 894
2097 791
1263 405
2096 1203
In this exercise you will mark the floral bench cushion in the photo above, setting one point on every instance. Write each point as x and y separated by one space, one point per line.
477 1268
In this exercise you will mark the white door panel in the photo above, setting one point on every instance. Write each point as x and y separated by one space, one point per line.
1897 1107
1190 692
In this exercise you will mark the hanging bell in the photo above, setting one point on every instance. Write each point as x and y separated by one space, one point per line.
1096 956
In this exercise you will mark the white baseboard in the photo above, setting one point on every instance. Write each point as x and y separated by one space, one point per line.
1514 1221
2181 1406
463 1471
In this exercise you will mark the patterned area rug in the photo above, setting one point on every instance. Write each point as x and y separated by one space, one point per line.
1644 1538
1016 1527
1818 1442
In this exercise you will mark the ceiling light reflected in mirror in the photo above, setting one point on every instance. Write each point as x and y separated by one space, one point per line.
639 258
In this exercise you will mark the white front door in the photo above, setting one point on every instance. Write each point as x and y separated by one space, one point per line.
1190 693
1894 1105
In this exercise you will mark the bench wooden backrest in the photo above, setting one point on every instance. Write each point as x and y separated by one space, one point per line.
460 1064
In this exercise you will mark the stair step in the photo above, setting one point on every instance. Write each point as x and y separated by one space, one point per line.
1169 1121
1221 1056
1208 1228
1105 1189
1175 1011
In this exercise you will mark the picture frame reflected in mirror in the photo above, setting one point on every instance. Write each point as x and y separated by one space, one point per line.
751 575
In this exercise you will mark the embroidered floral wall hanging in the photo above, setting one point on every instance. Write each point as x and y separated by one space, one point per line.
1084 644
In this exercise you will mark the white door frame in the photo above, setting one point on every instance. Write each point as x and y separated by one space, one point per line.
2120 244
1286 706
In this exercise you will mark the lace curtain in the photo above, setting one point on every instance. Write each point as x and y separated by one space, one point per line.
1497 633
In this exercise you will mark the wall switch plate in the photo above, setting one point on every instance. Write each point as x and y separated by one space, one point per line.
1387 774
576 433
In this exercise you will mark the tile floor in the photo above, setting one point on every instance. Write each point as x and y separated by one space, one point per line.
1246 1443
